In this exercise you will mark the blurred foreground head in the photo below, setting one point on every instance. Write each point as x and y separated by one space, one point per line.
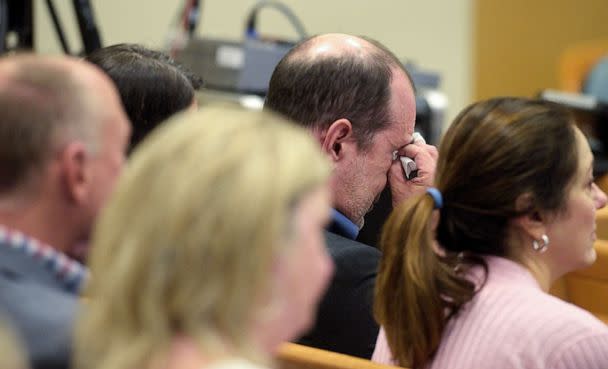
214 239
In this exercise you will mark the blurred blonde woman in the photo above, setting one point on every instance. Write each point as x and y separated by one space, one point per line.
211 252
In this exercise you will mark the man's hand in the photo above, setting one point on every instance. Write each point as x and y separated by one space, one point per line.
425 157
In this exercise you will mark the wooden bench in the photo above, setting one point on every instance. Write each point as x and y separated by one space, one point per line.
294 356
588 288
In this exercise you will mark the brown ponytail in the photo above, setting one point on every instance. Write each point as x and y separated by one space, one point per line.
493 152
417 290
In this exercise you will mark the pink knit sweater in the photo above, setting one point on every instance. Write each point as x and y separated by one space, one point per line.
511 323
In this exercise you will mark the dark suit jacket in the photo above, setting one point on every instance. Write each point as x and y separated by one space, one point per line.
345 320
38 308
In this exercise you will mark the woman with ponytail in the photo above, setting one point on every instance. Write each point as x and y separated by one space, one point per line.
466 267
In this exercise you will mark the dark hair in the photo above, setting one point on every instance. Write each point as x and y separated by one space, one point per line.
152 86
317 92
493 153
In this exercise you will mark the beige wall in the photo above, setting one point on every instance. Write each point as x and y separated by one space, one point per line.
435 34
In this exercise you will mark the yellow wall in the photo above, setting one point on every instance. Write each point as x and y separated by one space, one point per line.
517 42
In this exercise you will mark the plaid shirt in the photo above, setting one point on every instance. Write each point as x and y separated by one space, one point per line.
69 273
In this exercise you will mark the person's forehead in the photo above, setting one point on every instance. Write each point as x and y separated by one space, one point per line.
402 86
584 152
402 104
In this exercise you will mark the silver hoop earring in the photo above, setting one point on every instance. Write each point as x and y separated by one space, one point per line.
541 246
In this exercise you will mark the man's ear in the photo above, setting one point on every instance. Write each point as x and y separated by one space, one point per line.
533 222
74 161
338 139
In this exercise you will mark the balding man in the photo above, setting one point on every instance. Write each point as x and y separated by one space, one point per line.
63 136
358 101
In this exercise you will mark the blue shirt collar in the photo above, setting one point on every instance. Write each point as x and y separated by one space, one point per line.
69 273
344 225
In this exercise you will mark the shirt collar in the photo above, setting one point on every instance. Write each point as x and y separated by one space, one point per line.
506 271
70 274
503 271
343 225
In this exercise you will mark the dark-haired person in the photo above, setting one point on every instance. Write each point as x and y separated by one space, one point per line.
466 268
151 84
357 100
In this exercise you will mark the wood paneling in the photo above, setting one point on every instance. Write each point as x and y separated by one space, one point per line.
517 43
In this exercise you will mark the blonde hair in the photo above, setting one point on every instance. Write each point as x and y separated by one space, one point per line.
186 244
11 353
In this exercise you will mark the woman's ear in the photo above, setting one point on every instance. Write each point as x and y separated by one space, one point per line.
337 139
532 222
